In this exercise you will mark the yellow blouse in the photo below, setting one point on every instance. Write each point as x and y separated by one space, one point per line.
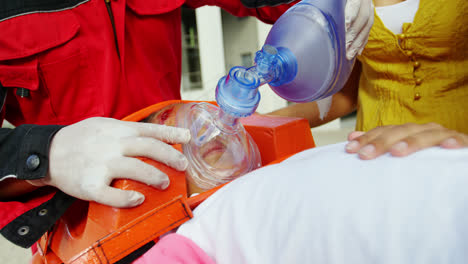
418 76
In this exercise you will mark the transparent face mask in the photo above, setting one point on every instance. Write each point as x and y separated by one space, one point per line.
220 149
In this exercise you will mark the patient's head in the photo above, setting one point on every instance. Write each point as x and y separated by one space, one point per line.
214 157
165 116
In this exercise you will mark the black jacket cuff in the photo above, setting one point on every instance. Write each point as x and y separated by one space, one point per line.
24 151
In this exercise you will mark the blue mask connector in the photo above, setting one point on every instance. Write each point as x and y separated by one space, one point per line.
237 93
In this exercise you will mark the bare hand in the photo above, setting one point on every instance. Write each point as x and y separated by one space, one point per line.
403 140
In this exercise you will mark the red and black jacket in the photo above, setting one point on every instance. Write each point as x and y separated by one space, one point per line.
64 61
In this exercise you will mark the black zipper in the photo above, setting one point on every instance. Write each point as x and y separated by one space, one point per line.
3 95
111 16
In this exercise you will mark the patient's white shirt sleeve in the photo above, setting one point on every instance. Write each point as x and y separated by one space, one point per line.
326 206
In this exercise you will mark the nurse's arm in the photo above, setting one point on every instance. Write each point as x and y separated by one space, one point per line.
344 102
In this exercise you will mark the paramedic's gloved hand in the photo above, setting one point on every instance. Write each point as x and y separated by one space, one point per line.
85 157
403 140
359 17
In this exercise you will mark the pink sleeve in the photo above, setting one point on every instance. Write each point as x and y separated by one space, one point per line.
175 248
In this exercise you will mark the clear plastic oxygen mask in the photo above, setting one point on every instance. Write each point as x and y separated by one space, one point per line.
303 60
220 149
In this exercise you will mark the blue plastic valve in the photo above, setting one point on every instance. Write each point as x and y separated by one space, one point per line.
303 59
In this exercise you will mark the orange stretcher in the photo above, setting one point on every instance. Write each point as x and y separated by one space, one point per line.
94 233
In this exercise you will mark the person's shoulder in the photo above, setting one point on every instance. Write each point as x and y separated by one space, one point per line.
14 8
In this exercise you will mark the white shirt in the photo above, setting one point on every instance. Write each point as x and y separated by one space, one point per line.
325 206
393 16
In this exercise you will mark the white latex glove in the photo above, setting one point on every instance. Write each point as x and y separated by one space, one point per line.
359 17
85 157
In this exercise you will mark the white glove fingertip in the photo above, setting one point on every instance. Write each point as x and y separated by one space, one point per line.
350 53
185 136
177 135
159 181
135 198
181 164
137 170
177 161
119 198
164 184
169 134
361 50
